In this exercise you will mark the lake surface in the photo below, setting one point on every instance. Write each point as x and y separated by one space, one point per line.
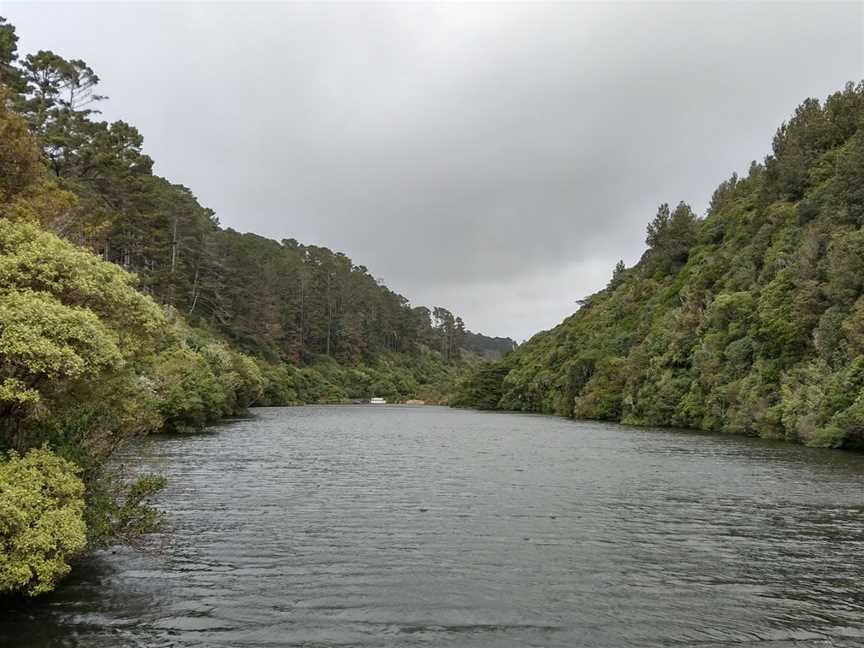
424 526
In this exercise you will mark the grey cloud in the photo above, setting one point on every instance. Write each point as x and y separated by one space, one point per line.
494 159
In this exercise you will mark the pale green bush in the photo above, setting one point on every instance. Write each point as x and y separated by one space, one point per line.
41 520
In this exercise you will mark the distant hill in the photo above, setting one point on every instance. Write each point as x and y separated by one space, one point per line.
492 348
282 301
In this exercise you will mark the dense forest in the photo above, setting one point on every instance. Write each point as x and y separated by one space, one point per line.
749 320
125 309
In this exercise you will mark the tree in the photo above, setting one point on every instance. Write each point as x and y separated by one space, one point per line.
670 237
26 194
617 275
10 75
657 228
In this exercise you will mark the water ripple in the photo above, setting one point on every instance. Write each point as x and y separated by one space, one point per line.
388 526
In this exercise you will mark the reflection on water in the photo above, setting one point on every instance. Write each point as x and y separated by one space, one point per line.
400 526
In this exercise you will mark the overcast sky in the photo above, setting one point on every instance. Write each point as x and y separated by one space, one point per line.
493 159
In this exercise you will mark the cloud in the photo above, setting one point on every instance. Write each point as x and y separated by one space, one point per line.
494 159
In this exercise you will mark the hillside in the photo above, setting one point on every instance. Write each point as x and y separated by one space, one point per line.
279 301
747 321
492 348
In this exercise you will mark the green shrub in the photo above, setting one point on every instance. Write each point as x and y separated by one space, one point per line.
481 388
190 395
278 386
250 384
118 507
41 520
601 398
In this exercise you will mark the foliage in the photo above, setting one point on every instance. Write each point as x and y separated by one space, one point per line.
67 321
119 508
189 392
481 388
41 520
198 379
394 376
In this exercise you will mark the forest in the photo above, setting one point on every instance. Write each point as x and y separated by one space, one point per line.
125 309
749 320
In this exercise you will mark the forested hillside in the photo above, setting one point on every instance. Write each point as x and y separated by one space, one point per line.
125 310
279 300
489 347
748 321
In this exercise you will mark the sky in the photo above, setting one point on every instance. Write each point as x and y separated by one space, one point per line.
496 160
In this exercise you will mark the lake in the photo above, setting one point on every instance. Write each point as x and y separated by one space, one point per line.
424 526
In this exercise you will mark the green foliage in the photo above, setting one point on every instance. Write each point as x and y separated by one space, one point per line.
10 75
119 508
617 275
393 376
601 396
750 321
824 407
190 394
42 340
20 164
198 379
68 322
280 386
41 520
38 262
481 388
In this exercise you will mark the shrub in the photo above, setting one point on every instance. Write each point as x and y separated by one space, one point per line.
41 520
190 395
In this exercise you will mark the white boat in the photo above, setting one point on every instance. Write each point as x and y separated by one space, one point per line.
377 401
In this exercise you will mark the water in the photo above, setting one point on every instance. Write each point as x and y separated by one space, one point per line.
423 526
